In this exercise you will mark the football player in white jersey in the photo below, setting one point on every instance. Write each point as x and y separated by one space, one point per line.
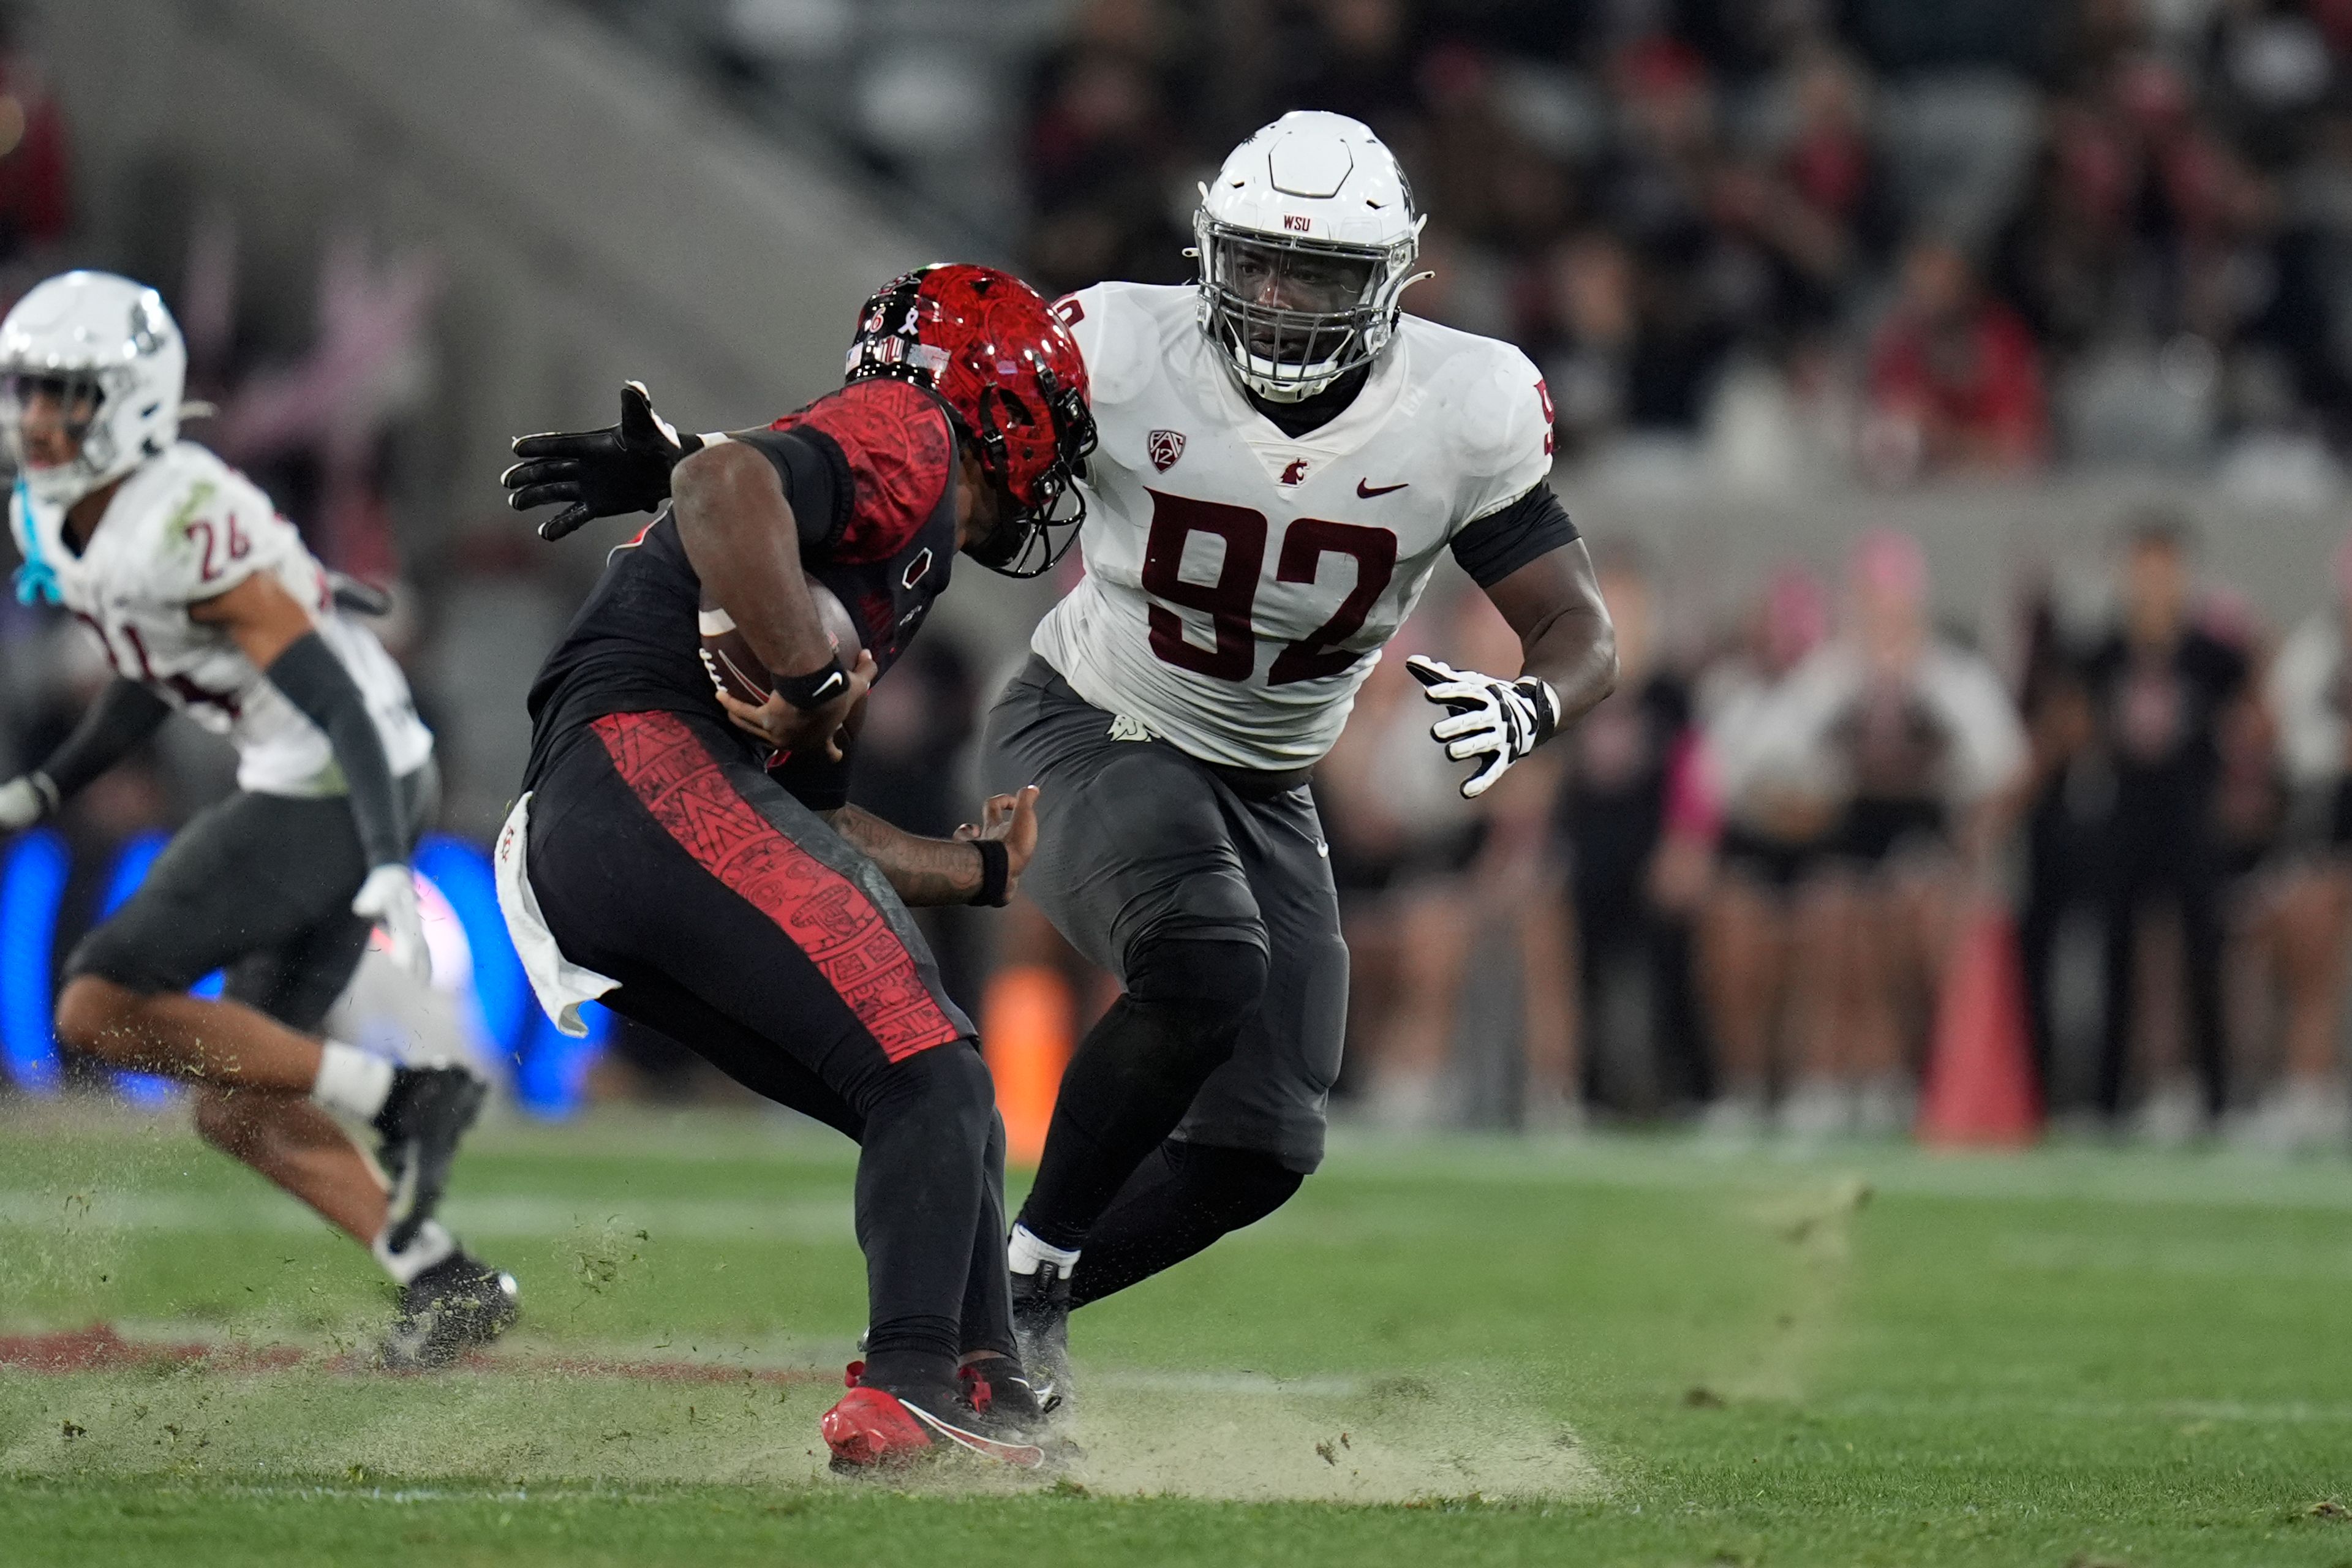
206 601
1284 456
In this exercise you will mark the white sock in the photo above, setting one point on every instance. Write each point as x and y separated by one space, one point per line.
429 1245
1024 1252
351 1082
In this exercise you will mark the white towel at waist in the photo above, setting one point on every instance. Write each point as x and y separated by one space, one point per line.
559 985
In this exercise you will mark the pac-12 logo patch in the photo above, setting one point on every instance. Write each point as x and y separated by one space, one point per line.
1164 447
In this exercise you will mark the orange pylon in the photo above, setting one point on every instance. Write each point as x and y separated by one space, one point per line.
1980 1088
1027 1021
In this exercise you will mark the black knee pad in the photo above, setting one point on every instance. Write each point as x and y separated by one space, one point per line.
1215 979
1240 1187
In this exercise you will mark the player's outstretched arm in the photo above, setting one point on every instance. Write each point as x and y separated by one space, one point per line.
620 469
1565 637
980 864
274 631
1568 663
744 544
125 713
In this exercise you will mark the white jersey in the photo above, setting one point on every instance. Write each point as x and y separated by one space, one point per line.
185 527
1946 729
1240 582
1737 715
2309 690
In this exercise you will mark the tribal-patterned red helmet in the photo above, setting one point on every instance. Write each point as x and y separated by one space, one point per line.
1006 367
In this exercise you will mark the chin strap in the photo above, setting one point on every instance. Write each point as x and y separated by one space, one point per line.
35 580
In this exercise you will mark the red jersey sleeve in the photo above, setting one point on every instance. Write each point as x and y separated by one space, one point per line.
901 451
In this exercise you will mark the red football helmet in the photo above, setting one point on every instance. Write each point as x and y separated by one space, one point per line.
1006 367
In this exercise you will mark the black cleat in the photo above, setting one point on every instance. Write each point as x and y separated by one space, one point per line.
459 1304
1041 1331
996 1390
423 1119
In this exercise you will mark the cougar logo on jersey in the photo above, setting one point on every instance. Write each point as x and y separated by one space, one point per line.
1163 448
1296 474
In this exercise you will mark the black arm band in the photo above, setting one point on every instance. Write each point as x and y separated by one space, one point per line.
125 713
995 873
817 687
315 682
1507 538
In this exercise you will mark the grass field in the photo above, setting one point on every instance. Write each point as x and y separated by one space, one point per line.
1620 1351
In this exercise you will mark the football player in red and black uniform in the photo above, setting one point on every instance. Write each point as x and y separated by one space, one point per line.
697 865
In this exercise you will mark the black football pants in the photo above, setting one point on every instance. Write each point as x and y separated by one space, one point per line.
740 924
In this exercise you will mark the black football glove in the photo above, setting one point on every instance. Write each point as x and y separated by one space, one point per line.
1495 720
611 472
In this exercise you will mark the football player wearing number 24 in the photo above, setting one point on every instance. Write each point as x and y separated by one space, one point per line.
204 600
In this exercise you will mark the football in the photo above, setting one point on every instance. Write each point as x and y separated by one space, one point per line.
736 671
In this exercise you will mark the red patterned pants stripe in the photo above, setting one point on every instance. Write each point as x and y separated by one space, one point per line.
826 916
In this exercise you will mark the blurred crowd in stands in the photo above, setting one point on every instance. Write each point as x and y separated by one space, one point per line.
1738 891
1923 235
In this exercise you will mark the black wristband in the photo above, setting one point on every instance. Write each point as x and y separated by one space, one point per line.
817 687
1546 701
995 873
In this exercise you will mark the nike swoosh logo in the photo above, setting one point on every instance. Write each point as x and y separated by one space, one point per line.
831 681
1368 490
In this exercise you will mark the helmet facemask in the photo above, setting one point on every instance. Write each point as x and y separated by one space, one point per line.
1294 315
1035 530
75 400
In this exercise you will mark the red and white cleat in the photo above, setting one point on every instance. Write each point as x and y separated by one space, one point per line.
872 1426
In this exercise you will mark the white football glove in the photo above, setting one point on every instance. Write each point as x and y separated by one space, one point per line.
388 898
25 801
1487 717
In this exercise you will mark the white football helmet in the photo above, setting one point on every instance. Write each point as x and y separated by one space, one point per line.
110 354
1305 240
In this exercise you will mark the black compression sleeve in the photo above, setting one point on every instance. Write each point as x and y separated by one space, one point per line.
315 680
816 476
125 713
1505 540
